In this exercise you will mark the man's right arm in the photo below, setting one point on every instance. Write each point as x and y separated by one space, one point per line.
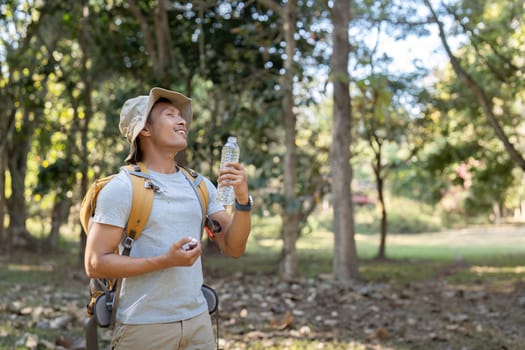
101 261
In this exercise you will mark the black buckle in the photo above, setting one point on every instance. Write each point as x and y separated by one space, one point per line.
128 242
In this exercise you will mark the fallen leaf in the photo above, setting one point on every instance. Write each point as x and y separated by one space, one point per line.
286 321
382 333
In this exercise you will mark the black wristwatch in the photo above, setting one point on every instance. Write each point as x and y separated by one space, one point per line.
244 207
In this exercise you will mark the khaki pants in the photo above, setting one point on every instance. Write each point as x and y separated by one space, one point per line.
192 334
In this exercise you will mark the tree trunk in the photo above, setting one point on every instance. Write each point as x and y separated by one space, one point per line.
88 115
162 34
4 242
381 254
7 127
496 209
16 203
7 119
479 93
149 41
292 208
345 252
158 46
60 211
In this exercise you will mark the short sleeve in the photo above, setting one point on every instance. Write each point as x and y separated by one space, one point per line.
114 202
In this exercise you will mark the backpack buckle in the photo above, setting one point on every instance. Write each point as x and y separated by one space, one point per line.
151 186
109 302
128 242
212 227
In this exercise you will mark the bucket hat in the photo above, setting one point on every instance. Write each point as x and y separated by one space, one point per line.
135 112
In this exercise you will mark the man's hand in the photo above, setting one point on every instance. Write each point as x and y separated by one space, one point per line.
233 174
177 255
236 229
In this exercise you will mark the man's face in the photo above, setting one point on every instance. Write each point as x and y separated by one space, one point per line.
168 128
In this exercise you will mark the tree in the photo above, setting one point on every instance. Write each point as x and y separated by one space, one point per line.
291 212
482 124
483 98
384 123
7 123
345 253
157 38
23 116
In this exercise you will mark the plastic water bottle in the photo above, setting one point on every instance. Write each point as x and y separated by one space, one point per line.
230 153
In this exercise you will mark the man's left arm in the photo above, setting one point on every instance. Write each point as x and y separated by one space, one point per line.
233 238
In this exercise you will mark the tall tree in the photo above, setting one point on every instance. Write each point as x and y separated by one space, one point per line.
292 206
26 83
7 123
384 123
57 173
87 79
345 264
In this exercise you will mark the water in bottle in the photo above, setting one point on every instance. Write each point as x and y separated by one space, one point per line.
230 153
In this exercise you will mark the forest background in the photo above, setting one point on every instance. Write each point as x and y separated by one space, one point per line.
331 132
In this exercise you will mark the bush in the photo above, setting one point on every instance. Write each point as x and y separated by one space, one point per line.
403 216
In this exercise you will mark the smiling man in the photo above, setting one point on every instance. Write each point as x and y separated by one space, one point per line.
161 305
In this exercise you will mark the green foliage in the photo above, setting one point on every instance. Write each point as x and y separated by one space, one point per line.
405 216
63 63
462 136
490 185
61 173
460 159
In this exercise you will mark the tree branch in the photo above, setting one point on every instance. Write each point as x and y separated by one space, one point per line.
162 34
144 27
478 92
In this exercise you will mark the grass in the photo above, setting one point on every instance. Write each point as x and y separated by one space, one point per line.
404 216
410 257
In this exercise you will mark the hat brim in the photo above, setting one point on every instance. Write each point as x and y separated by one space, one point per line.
181 102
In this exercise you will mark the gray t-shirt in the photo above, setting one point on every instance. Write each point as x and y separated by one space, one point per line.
166 295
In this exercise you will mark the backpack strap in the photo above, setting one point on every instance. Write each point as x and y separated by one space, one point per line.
91 328
143 190
198 184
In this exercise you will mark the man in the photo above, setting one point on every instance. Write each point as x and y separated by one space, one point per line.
161 305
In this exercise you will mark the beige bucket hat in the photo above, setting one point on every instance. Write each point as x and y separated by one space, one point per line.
135 112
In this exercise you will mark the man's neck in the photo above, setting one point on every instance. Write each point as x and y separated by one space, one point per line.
161 163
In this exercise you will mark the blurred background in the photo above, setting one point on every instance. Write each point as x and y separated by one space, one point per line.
370 129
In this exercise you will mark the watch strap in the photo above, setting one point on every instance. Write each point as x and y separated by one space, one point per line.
244 207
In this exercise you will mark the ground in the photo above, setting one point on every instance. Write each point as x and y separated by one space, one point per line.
422 315
42 307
